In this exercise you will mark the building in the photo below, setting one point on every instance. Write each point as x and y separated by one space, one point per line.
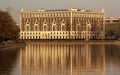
62 24
112 28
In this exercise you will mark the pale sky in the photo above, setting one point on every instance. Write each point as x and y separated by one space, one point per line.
112 7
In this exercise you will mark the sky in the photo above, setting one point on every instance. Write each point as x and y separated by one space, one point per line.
112 7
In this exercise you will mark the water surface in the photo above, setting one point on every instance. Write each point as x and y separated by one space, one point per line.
61 59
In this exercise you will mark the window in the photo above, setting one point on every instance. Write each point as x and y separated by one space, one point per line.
45 28
36 27
78 27
63 28
54 27
88 27
27 28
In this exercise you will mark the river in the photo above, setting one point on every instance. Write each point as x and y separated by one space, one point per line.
61 59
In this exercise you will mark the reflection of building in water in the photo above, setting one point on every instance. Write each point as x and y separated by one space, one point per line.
62 59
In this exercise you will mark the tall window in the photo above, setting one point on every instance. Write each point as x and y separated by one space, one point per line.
78 27
63 28
88 27
45 28
98 27
54 26
27 27
36 27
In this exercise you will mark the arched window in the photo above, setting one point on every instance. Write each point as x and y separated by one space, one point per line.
36 26
45 28
88 26
63 27
98 26
78 27
54 26
27 26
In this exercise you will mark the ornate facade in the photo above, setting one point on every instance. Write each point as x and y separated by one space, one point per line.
62 24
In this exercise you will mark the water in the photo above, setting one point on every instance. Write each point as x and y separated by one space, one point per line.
61 59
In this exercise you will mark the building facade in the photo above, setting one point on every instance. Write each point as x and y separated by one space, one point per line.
62 24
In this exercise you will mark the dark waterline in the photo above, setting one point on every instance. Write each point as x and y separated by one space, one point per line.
61 59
